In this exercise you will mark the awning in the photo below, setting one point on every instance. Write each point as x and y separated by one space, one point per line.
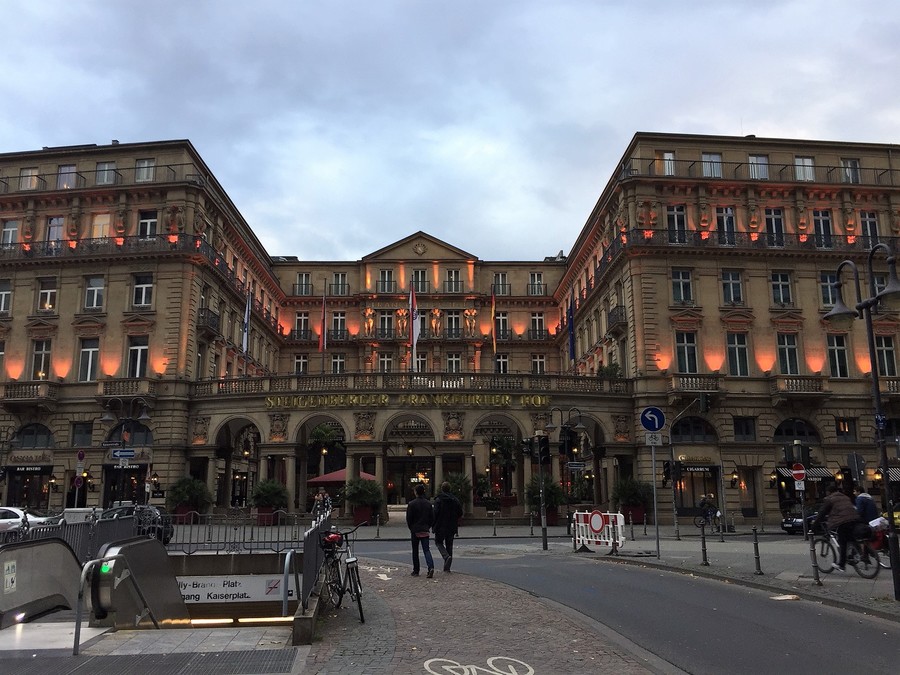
336 477
812 473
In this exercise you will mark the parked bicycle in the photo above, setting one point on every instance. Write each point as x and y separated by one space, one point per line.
341 569
860 554
709 520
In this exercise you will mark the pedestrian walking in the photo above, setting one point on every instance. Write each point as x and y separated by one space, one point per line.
447 512
419 520
321 503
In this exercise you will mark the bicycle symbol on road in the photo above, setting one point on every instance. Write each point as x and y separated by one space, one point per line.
497 665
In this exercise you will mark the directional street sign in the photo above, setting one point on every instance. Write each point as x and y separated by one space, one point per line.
123 453
653 419
576 466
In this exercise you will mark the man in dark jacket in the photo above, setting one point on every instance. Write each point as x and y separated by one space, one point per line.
447 512
841 516
419 519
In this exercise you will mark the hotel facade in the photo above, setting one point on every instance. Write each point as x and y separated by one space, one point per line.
147 335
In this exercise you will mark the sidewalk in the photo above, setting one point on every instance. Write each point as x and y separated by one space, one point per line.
404 633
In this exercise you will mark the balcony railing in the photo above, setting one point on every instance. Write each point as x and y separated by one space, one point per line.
303 289
538 334
501 289
302 335
339 289
420 286
436 383
764 173
385 286
207 318
338 335
536 289
78 180
453 287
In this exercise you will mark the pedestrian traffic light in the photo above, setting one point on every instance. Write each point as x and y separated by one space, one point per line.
544 449
705 402
667 471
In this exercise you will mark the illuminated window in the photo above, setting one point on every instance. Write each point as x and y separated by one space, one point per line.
47 294
65 177
40 359
845 429
804 169
54 231
100 226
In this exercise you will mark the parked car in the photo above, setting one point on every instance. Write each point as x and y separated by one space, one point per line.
148 520
11 521
792 523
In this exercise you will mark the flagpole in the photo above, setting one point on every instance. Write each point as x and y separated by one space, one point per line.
323 335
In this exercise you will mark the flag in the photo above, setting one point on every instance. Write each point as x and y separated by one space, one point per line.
570 321
323 334
415 325
493 320
246 329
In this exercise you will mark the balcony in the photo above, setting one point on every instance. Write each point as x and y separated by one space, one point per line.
685 387
126 387
504 335
501 289
537 334
302 289
617 322
338 335
208 323
420 286
453 287
536 289
302 335
20 397
793 388
103 178
339 290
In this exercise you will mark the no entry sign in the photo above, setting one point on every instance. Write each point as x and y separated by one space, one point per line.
798 471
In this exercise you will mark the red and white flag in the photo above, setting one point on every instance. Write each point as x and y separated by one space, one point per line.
415 325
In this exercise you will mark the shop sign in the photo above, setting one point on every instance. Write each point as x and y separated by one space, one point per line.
30 469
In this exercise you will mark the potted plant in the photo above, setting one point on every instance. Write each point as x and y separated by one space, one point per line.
188 495
554 497
460 487
632 497
267 497
364 497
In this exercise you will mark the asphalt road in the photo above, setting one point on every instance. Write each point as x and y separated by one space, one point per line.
698 625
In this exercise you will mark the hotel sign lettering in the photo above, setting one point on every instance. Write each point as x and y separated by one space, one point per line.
407 400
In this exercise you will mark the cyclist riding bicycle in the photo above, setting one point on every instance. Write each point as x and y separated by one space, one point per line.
708 507
841 515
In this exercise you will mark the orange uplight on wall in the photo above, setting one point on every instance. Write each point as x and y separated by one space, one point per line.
110 365
61 367
754 236
14 367
765 359
663 360
72 243
851 238
648 234
159 365
173 238
803 238
518 328
815 360
120 241
704 234
714 359
863 363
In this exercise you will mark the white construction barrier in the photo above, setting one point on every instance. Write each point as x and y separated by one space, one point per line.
594 528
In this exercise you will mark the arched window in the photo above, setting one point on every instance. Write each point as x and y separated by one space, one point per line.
798 429
35 436
693 430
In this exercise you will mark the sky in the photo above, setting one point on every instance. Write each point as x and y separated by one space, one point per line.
339 127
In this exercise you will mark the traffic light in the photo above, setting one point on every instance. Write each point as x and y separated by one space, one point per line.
667 472
544 450
705 402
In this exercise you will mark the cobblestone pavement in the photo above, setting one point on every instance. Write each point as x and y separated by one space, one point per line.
454 623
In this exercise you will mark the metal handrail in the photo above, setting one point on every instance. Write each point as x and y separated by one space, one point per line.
288 567
79 604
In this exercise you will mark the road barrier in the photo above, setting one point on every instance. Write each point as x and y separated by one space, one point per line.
594 528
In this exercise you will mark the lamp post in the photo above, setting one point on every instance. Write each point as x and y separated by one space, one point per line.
134 410
842 316
564 437
535 449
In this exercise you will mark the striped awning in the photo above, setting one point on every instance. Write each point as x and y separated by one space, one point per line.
813 473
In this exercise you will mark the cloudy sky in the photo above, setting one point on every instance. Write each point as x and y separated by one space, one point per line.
340 126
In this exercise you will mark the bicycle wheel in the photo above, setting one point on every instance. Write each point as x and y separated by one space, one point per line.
867 567
356 590
332 588
826 556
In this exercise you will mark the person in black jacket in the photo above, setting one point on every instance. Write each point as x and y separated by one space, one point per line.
419 519
447 512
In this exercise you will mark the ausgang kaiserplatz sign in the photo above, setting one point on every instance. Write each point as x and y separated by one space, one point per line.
406 400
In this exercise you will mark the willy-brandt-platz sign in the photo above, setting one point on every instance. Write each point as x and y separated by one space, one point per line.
406 400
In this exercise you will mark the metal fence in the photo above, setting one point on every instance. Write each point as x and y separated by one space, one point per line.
85 539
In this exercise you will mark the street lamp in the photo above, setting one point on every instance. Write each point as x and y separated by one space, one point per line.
578 428
134 410
535 450
841 316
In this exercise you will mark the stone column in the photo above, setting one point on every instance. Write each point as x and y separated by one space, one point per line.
470 472
228 480
438 472
290 469
379 476
263 468
304 469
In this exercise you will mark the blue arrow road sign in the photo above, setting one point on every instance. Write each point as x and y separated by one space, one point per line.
123 453
653 419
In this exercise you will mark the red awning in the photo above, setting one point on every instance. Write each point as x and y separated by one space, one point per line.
336 478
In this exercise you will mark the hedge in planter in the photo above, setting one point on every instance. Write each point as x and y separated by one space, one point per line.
188 494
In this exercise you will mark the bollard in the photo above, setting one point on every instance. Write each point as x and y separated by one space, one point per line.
378 526
756 551
812 557
631 525
722 527
494 519
531 524
645 524
705 562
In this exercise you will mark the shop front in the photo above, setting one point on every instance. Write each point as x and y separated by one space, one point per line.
692 482
29 486
124 483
